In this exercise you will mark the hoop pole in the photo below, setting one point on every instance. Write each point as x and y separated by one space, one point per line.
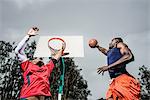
61 79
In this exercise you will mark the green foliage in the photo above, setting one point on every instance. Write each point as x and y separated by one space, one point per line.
11 80
145 82
30 49
75 86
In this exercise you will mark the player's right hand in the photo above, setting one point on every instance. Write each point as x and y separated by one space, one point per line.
97 46
57 54
33 31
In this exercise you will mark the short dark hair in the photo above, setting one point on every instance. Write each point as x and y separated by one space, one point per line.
119 39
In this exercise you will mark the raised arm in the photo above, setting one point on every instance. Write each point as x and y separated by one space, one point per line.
102 50
55 57
21 46
20 49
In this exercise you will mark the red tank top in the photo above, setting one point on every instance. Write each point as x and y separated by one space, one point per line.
36 79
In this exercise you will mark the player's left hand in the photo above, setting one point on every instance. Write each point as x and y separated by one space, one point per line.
33 31
102 69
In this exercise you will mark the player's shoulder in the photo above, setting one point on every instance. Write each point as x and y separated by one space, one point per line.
121 45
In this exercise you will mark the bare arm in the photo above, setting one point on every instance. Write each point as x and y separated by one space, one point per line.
101 49
21 46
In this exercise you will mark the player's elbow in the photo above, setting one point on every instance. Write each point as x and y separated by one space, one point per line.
129 56
16 50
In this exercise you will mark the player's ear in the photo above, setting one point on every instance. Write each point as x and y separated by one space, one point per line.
116 42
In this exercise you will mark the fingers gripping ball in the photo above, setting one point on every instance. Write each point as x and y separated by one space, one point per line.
93 43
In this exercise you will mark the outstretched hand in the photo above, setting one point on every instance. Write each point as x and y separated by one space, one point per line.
33 31
102 69
57 54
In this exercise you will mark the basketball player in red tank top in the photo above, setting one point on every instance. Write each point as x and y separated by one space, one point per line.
35 73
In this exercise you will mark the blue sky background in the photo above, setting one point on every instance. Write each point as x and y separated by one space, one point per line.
100 19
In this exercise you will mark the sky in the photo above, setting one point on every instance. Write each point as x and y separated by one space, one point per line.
99 19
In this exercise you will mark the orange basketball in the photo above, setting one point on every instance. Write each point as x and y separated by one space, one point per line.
92 43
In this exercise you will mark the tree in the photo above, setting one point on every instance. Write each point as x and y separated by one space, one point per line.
11 80
145 82
75 87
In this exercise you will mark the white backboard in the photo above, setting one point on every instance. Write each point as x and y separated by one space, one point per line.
74 45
